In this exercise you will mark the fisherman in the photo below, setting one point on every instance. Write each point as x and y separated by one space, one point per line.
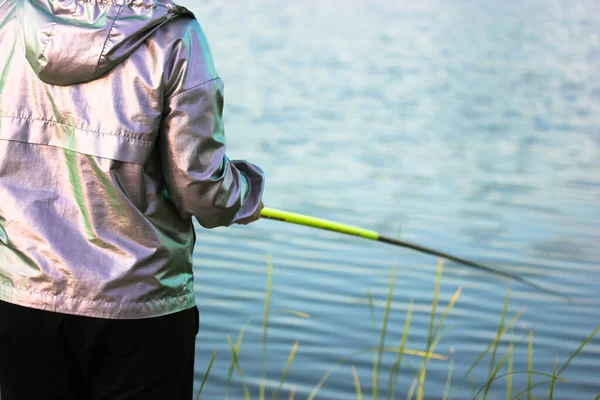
111 140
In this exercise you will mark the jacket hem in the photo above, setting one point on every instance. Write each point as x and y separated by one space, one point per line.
96 309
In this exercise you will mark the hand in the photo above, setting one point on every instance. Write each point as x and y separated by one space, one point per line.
253 217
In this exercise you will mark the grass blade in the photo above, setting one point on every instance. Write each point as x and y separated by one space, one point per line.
579 349
500 326
296 313
521 393
396 367
286 369
488 384
451 304
511 352
372 308
439 337
553 380
292 394
421 388
411 391
529 363
238 368
266 327
558 378
357 384
373 323
386 314
342 361
434 303
449 378
238 343
487 349
205 375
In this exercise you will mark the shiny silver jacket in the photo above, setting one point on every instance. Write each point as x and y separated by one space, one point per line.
111 140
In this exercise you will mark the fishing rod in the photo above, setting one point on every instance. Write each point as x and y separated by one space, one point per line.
305 220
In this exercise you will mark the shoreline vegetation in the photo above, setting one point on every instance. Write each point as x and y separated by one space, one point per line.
500 370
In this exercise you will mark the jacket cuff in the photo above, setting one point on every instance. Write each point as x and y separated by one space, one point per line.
256 182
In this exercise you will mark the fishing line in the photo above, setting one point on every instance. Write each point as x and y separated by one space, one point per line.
305 220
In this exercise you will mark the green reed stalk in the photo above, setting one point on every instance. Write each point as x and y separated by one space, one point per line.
286 369
487 387
500 326
372 309
511 352
518 396
579 349
497 340
449 378
529 363
557 376
373 323
435 333
553 380
240 337
205 375
487 349
421 388
413 386
342 361
266 328
449 307
396 366
386 314
238 344
359 394
238 367
524 391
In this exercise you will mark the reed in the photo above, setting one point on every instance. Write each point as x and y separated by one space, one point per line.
206 375
386 315
511 352
359 394
396 367
449 377
503 369
553 381
530 363
286 369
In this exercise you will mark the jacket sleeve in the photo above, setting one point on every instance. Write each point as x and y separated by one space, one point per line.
201 180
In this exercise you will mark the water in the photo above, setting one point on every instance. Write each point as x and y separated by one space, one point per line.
472 126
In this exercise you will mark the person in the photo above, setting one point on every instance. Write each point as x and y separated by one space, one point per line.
111 142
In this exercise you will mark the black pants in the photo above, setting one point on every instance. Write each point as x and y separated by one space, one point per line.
52 356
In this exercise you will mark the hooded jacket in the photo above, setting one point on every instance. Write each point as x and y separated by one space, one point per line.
111 140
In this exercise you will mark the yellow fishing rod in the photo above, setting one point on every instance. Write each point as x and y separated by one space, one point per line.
299 219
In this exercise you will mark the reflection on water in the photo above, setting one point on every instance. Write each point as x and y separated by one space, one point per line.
471 125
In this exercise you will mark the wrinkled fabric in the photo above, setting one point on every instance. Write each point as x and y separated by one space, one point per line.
111 141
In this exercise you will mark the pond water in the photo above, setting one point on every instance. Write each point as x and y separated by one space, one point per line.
472 127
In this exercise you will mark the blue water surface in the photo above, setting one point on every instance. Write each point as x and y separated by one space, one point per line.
469 126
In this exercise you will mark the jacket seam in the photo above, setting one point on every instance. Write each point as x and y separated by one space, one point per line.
192 88
130 3
120 135
112 26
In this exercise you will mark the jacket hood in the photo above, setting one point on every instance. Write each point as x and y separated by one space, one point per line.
73 41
